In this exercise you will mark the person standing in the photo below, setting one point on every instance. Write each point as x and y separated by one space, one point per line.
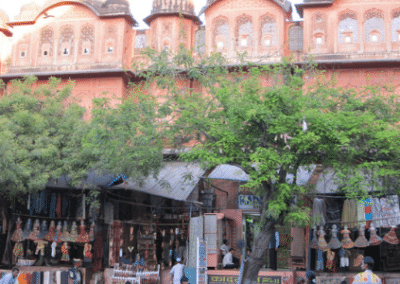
177 271
273 250
10 278
367 277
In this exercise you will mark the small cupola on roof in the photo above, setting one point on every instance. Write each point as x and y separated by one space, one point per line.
172 7
4 19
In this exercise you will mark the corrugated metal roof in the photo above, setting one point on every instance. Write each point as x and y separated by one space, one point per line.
176 180
230 172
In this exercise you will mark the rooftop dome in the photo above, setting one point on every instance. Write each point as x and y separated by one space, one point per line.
173 6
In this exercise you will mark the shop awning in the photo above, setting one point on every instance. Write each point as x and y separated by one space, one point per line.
229 172
92 180
176 180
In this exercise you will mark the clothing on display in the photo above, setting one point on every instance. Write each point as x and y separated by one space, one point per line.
17 234
349 213
368 209
57 237
65 252
65 235
51 232
319 212
346 241
330 258
391 236
34 235
387 216
361 241
374 239
18 252
376 212
322 245
43 230
314 241
28 229
360 214
83 236
74 232
344 258
334 243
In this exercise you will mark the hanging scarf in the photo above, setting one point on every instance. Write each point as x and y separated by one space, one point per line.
386 213
53 203
361 214
330 257
320 260
349 213
319 212
391 237
376 212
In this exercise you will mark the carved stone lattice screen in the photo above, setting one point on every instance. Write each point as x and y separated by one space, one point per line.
66 36
374 26
244 32
221 34
87 35
46 38
268 30
348 27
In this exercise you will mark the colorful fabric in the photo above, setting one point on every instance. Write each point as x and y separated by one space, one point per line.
43 230
360 214
319 212
334 243
346 241
64 252
368 209
83 235
17 234
349 213
374 239
376 212
330 257
391 237
314 241
53 203
51 233
18 252
387 217
34 235
394 204
322 245
367 277
361 241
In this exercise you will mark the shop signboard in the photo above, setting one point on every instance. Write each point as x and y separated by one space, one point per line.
249 201
223 279
201 273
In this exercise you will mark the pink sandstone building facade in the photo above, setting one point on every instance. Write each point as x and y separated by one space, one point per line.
94 42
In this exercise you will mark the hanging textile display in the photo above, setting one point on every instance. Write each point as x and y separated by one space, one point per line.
346 241
387 217
65 236
98 252
330 258
320 260
319 212
374 239
91 232
87 252
115 242
334 243
43 230
391 236
83 236
34 235
17 234
65 252
376 212
349 213
58 206
53 249
57 237
368 212
394 204
28 229
361 241
314 241
74 232
361 214
321 240
52 232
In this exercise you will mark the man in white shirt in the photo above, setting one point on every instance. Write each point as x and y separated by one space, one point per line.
227 262
224 248
177 271
10 278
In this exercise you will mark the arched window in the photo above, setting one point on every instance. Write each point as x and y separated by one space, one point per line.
244 32
296 38
200 41
110 39
46 42
374 26
166 35
319 24
348 27
86 40
268 30
396 26
221 34
141 41
66 41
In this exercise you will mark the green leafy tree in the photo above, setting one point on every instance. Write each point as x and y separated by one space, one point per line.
41 131
252 116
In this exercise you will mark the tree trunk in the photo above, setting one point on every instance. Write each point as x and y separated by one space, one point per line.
261 243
